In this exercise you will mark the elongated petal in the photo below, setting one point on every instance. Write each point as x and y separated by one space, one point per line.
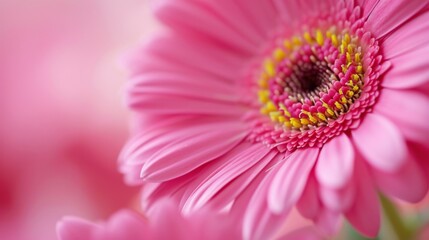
338 200
409 70
335 163
259 221
364 215
410 37
207 20
309 204
235 189
381 143
236 162
71 228
408 110
200 145
290 179
386 16
408 183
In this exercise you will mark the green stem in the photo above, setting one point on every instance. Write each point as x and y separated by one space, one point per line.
393 217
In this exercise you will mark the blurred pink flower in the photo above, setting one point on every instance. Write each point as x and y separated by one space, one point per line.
166 222
260 106
62 122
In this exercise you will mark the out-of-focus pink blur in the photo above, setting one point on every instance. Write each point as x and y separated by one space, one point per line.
62 121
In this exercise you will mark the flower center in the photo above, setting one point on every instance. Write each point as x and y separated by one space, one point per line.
312 79
318 84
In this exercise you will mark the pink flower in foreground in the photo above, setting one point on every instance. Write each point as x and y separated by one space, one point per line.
166 222
265 105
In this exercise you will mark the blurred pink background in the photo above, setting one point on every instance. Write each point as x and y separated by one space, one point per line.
63 121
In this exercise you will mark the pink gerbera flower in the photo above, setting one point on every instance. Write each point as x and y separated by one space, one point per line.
259 106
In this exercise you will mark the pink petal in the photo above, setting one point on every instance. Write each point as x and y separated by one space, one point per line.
173 189
364 215
289 12
125 224
338 200
381 143
197 146
262 15
367 6
236 162
420 153
205 20
146 143
408 183
173 105
71 228
409 70
389 15
328 222
241 184
399 42
293 12
335 163
182 85
407 110
309 203
290 179
178 54
259 221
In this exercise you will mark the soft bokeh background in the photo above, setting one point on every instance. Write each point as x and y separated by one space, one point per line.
62 118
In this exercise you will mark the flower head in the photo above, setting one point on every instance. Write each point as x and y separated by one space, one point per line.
264 105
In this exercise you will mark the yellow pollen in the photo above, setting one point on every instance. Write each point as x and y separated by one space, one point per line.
304 121
319 37
359 69
342 49
271 107
321 116
357 57
274 116
338 105
269 68
349 57
296 41
264 96
279 54
295 122
287 44
351 48
308 38
312 119
334 40
347 38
